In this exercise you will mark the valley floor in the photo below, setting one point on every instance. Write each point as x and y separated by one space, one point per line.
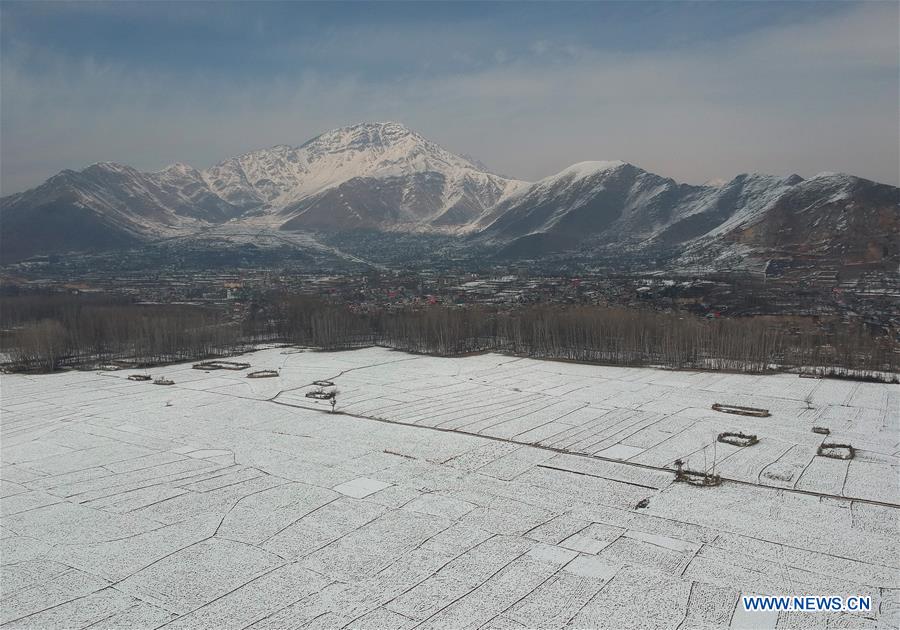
478 492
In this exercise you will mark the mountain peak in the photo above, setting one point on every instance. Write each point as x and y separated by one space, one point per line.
108 166
368 135
110 169
388 126
179 168
589 168
833 178
283 177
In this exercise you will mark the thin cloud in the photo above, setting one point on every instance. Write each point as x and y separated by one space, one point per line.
801 97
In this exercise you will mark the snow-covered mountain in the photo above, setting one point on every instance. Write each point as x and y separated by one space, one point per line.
616 204
106 205
373 175
385 177
614 207
845 220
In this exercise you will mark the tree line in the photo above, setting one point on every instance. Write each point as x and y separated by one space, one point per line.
611 335
48 332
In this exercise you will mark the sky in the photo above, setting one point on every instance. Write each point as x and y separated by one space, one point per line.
696 91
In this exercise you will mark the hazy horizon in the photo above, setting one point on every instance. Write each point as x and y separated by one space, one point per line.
692 91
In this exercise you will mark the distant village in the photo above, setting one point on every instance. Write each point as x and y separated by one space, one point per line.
782 288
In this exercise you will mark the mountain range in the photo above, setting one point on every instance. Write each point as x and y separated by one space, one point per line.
387 178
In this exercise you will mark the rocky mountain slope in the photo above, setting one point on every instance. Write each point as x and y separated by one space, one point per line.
106 205
375 175
615 203
614 207
380 176
843 220
384 177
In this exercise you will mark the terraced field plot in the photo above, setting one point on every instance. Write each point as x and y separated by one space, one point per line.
641 416
229 502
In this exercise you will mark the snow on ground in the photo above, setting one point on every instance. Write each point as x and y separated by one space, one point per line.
227 502
642 416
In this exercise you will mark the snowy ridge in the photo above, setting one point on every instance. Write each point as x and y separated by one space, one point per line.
386 177
618 207
173 198
282 176
581 170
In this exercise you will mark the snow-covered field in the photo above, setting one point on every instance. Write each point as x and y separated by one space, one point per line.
449 493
